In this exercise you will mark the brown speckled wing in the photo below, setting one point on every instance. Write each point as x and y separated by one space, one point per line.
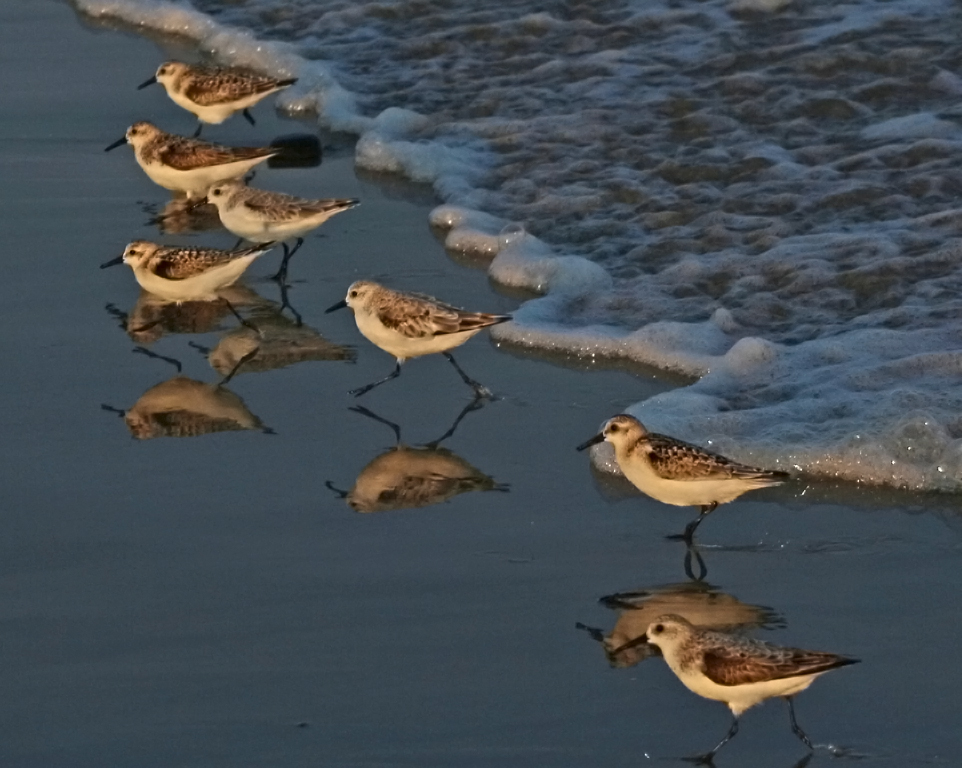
755 662
418 316
181 263
285 208
674 459
188 155
221 87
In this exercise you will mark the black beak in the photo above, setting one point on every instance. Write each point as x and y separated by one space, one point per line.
599 438
113 262
340 305
146 83
120 142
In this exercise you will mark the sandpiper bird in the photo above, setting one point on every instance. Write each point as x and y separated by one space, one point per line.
183 273
188 165
410 325
213 94
738 671
259 216
675 472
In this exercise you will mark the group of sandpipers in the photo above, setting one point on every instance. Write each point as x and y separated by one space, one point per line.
738 671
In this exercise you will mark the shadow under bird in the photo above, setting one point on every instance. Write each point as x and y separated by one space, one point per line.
188 165
185 273
407 477
213 94
261 216
674 472
408 325
738 671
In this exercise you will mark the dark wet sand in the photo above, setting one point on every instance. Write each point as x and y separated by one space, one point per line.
193 601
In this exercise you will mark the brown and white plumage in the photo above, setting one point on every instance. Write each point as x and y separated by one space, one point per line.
679 473
188 165
182 273
408 325
738 671
213 94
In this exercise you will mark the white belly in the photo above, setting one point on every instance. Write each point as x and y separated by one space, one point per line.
683 493
197 181
200 288
259 229
404 348
741 697
216 113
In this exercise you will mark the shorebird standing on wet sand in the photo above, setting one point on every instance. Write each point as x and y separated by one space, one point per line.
187 165
410 325
678 473
738 671
186 273
213 94
261 216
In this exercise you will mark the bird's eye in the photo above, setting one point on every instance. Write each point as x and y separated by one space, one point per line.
613 428
658 629
353 294
215 192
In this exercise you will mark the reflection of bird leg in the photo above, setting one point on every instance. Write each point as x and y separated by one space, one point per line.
795 729
249 117
110 409
474 405
285 304
119 314
245 323
371 415
281 274
706 509
148 353
479 389
690 551
368 387
804 761
250 355
596 634
200 127
340 494
199 347
238 244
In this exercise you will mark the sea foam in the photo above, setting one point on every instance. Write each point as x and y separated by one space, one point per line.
757 194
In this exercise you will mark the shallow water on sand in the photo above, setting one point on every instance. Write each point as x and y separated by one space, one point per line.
192 601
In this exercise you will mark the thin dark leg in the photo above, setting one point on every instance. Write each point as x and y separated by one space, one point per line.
200 127
249 356
708 758
148 353
238 244
478 402
245 323
795 729
371 415
362 390
110 409
340 494
689 532
692 552
249 117
199 347
479 389
281 275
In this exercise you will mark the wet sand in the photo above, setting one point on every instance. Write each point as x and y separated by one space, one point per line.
209 601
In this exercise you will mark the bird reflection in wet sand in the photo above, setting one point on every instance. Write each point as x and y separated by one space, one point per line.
182 216
697 601
153 316
182 407
277 342
738 671
406 477
674 472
